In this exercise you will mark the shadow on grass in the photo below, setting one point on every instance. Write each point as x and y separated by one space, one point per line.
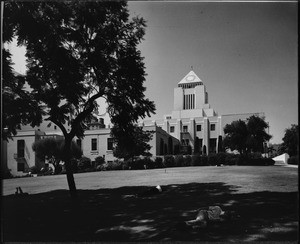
116 215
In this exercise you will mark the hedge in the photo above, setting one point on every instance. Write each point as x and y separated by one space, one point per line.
179 161
293 160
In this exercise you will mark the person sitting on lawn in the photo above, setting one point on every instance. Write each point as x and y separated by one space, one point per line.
205 215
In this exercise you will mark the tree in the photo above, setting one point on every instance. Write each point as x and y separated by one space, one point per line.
19 107
291 140
257 134
133 145
236 136
246 136
76 53
53 148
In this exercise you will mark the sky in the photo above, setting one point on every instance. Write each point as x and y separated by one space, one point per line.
244 52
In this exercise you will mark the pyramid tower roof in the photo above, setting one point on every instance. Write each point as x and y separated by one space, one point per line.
191 77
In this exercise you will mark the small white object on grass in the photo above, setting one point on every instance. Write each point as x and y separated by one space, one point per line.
159 188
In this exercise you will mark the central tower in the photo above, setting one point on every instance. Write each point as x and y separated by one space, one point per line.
191 98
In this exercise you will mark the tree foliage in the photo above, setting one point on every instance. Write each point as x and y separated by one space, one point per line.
78 52
236 136
290 143
135 144
54 149
246 136
19 106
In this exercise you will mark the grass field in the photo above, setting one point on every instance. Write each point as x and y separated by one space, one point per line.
264 200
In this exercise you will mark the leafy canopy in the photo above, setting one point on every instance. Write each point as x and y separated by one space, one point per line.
290 143
52 147
134 145
246 136
19 106
80 51
77 52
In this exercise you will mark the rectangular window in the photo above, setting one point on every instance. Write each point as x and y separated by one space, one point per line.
20 148
212 127
198 128
94 144
110 143
193 101
185 128
172 129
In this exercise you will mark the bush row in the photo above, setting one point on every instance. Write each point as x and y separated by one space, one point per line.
185 161
86 165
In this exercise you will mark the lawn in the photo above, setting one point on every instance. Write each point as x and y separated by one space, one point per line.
264 199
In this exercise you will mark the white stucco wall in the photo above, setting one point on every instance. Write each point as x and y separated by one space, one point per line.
12 163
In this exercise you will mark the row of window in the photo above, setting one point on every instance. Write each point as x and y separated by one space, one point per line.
198 147
189 101
94 144
198 128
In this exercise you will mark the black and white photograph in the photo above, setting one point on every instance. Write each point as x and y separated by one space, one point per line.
149 121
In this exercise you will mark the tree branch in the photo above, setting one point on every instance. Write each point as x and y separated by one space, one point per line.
88 108
60 125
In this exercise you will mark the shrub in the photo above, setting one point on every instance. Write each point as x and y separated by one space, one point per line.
231 159
187 160
125 165
169 161
99 161
58 169
114 165
137 164
260 162
34 170
84 163
293 160
179 160
242 160
204 160
221 158
158 163
212 159
196 160
149 163
255 155
6 174
101 167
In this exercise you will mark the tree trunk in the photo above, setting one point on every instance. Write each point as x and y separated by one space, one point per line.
69 171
